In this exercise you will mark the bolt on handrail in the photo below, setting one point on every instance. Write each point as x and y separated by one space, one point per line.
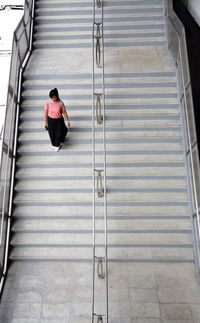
100 266
178 49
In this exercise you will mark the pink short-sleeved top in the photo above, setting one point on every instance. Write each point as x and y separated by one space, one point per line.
55 109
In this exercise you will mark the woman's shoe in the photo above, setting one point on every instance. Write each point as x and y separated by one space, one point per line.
57 148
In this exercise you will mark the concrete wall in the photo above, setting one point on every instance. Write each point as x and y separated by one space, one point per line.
194 8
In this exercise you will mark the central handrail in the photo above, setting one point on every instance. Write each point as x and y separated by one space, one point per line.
100 263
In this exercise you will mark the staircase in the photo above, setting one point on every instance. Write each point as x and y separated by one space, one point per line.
150 248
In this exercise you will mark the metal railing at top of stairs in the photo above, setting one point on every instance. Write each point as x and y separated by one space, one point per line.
21 49
178 49
100 264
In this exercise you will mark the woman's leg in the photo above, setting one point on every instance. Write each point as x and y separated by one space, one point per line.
64 131
54 131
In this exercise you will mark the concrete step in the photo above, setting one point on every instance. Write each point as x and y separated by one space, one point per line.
78 146
80 78
70 141
113 195
144 39
120 222
114 121
130 157
79 5
83 210
127 252
121 110
111 133
85 88
128 32
29 182
85 94
77 169
109 13
85 237
159 131
84 24
120 98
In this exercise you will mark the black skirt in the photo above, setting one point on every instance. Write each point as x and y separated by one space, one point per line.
57 131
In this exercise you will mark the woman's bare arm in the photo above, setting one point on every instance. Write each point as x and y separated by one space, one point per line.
45 117
66 118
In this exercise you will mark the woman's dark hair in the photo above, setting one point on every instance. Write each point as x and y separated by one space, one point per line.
53 93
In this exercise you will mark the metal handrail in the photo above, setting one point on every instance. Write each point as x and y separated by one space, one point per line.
9 141
98 43
179 54
99 186
99 107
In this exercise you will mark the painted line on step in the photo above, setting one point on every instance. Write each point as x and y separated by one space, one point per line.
106 28
109 129
89 76
110 217
106 36
108 190
87 245
168 260
119 19
100 141
112 107
100 153
99 86
57 13
109 204
88 4
89 165
108 44
112 118
90 260
157 231
108 96
83 178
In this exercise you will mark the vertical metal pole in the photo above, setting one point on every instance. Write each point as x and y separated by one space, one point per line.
93 166
99 4
104 150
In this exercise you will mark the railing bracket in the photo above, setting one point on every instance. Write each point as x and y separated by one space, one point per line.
98 108
100 273
100 191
